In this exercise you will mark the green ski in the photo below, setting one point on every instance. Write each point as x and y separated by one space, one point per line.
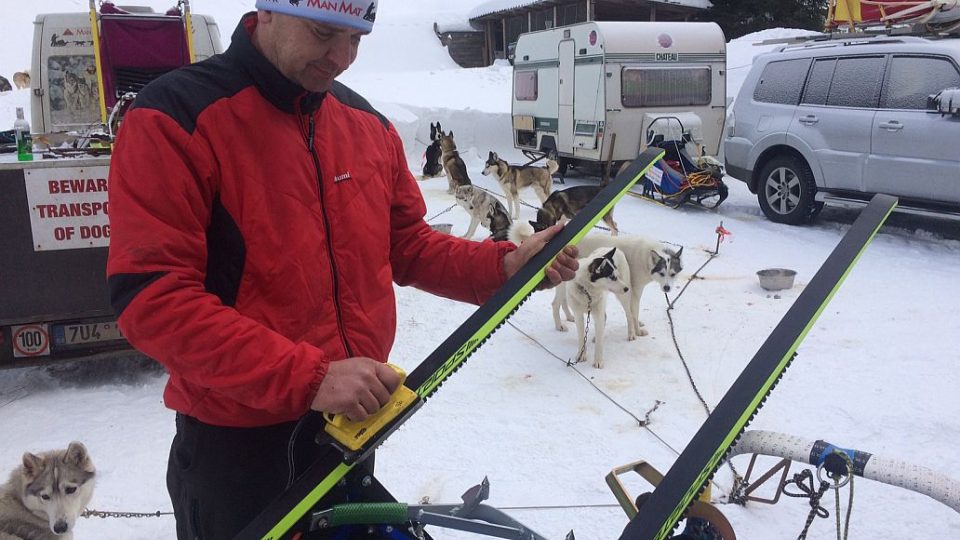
698 462
357 441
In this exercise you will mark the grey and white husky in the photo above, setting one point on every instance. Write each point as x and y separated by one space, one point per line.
513 178
603 270
484 209
46 494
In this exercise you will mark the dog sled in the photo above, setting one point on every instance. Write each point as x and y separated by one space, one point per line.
928 15
678 178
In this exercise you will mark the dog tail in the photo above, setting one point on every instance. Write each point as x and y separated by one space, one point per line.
552 167
519 231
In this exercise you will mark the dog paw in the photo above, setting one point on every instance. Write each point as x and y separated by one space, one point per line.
561 328
631 337
642 332
598 365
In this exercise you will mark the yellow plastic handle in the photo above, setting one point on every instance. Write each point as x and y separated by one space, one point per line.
354 435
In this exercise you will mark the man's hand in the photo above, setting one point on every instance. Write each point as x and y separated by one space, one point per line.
356 387
563 268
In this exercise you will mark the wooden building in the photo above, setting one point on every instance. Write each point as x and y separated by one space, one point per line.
493 29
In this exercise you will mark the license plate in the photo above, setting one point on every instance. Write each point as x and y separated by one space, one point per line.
79 334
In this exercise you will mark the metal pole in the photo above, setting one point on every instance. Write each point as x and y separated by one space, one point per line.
188 21
98 59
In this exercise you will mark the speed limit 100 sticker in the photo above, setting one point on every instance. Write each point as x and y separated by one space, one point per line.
30 340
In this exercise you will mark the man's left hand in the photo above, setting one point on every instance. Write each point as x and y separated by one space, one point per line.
563 268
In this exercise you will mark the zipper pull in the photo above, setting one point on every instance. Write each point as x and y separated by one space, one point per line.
313 128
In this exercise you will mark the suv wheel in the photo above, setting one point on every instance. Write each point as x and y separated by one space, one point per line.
786 191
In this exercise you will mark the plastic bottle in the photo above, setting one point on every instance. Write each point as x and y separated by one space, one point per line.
21 131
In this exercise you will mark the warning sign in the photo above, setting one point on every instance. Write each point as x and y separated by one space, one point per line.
68 207
30 340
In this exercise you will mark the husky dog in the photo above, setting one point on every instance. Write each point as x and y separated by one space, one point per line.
22 79
46 494
565 204
603 270
5 84
432 168
649 262
484 209
513 178
452 162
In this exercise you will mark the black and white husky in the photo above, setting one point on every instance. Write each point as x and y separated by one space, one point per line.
603 270
46 494
513 178
484 209
649 261
432 167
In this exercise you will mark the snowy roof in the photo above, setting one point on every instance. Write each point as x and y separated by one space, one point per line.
496 6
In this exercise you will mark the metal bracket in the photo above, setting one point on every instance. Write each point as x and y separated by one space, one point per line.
699 509
753 486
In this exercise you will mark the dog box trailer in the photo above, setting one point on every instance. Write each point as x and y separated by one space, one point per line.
54 227
600 91
64 72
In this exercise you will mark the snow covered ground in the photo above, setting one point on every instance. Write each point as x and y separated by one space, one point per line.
877 372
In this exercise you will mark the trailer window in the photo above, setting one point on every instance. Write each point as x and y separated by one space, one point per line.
665 87
525 85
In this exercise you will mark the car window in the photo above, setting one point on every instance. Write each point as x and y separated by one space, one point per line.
781 81
912 78
856 82
818 83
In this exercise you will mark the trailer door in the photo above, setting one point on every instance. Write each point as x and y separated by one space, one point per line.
565 120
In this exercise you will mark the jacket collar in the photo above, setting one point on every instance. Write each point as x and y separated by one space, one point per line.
283 93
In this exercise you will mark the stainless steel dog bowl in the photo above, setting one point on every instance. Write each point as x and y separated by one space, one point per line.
776 279
442 227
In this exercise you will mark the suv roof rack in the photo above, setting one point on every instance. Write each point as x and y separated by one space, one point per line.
878 35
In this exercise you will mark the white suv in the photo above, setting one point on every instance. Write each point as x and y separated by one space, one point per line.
845 119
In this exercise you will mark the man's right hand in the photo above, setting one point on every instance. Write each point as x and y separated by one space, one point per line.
356 387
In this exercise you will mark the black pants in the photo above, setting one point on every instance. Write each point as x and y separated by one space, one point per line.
220 478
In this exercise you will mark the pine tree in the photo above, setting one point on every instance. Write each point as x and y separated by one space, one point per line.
740 17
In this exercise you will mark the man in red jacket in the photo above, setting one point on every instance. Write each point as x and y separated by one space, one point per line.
260 214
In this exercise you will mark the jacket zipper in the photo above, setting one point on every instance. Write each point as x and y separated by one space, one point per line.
326 223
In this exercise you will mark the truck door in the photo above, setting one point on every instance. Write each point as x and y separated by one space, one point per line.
565 120
910 155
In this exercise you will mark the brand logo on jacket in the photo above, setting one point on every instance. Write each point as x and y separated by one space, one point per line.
341 177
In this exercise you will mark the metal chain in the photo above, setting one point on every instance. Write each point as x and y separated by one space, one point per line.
586 326
109 514
737 493
528 205
642 423
442 212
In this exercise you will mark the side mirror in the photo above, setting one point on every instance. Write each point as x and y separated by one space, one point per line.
945 102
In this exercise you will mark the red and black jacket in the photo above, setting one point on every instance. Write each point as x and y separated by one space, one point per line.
257 231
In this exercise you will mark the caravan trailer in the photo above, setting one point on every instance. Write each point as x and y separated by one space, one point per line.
600 91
